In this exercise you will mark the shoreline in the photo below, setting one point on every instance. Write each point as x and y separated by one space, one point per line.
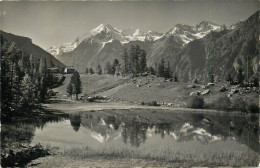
69 107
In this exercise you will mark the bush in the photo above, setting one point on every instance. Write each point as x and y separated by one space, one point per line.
61 80
239 104
253 108
153 103
196 102
142 103
222 103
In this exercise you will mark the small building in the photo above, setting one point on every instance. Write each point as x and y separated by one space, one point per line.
53 70
69 70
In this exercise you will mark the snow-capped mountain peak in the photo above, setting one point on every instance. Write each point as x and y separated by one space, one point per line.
185 33
105 33
104 28
98 29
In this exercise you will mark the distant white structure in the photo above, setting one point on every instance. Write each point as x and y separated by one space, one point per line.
69 70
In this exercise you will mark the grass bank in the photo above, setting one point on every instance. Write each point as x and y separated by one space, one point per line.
208 158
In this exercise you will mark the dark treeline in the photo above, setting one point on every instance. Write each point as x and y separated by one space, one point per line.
25 80
134 61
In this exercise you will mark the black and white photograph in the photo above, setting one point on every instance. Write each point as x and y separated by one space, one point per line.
114 83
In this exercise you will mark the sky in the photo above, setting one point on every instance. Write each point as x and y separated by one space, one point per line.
54 23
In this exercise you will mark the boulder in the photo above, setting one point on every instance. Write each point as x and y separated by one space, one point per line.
206 120
223 89
144 74
210 84
204 92
233 91
137 85
195 93
204 87
169 104
191 86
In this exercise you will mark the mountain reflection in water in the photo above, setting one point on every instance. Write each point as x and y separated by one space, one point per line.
183 131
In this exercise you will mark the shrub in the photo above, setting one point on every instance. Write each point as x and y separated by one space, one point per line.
61 80
239 104
196 102
222 103
142 103
253 108
153 103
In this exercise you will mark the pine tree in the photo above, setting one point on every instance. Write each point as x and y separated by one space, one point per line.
143 61
151 70
175 78
91 71
76 84
161 69
86 70
52 64
132 56
115 66
125 57
108 68
43 66
240 77
70 90
211 75
167 72
229 79
99 70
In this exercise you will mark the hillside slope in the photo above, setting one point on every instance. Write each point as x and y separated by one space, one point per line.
26 44
225 52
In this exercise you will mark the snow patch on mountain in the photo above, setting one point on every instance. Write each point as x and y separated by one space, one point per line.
66 47
104 34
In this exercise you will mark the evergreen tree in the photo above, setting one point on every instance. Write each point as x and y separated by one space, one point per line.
43 66
167 72
175 78
91 71
70 90
52 64
115 66
125 57
86 70
161 69
211 76
240 77
256 82
76 84
143 61
132 55
20 80
151 70
229 79
99 70
108 68
43 88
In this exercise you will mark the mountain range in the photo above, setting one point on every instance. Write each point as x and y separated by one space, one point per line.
106 43
191 50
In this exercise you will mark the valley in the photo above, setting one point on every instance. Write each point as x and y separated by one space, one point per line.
124 97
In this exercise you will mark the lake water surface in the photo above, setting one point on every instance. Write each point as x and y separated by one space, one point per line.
186 133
